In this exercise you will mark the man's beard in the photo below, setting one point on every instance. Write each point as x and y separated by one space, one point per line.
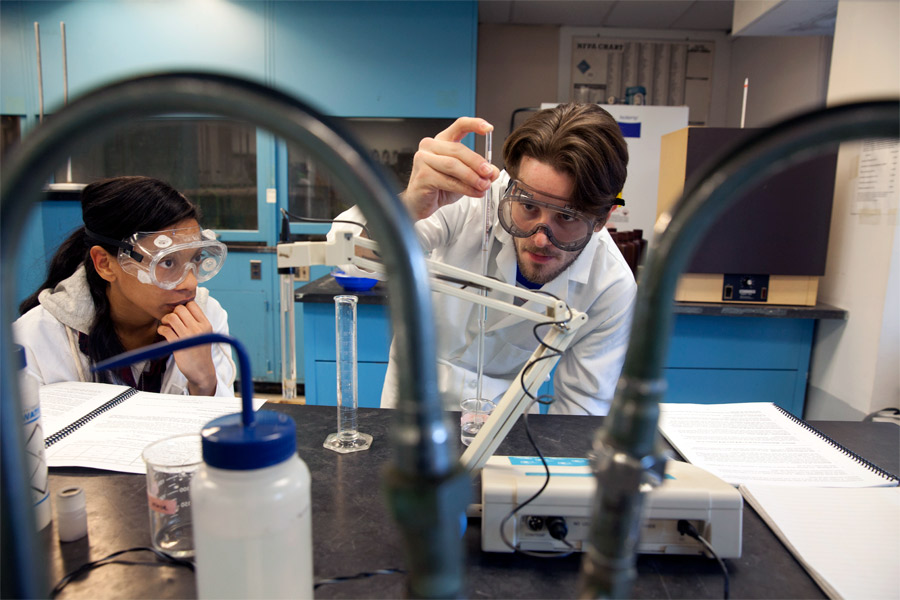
541 274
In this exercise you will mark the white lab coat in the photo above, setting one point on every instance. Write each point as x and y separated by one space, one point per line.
49 333
599 283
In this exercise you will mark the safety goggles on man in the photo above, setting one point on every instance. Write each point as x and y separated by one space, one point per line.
164 258
522 214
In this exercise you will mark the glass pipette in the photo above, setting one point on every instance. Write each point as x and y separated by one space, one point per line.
485 252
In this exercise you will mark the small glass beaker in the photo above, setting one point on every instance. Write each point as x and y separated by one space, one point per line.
475 414
171 463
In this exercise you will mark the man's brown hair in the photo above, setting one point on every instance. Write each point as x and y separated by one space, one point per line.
582 140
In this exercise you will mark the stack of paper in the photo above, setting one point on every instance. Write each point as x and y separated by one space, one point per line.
104 426
848 539
837 513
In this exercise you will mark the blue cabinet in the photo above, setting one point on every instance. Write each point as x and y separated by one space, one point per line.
739 359
320 363
357 59
347 59
712 358
251 312
106 41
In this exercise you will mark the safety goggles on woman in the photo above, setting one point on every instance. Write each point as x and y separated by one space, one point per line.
522 215
164 258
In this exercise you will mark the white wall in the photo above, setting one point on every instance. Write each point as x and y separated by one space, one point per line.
746 12
854 369
517 68
787 75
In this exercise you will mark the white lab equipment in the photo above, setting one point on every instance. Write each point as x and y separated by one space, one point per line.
252 510
688 493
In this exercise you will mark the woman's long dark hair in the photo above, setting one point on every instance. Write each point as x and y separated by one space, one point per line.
115 208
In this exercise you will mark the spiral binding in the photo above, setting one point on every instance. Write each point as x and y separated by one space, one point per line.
72 427
853 455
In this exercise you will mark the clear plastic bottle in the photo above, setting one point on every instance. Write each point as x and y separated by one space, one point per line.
251 508
29 390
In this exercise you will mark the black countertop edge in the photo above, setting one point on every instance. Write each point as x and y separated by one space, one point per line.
780 311
324 289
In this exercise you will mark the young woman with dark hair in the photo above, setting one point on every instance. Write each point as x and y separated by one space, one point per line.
124 280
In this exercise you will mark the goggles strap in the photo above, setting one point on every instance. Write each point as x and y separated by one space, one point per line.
117 243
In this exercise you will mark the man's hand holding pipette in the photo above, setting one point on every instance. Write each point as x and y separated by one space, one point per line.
444 169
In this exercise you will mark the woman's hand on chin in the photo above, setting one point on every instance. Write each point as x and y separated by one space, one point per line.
196 363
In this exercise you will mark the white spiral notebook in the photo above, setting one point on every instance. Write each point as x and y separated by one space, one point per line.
837 513
105 426
758 442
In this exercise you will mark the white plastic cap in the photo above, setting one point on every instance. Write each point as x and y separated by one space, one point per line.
71 514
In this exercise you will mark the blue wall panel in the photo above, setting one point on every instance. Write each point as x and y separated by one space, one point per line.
725 386
739 342
251 316
379 59
107 41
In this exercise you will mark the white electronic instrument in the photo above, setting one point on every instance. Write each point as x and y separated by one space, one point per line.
712 506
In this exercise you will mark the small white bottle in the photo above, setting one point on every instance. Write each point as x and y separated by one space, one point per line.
29 392
251 510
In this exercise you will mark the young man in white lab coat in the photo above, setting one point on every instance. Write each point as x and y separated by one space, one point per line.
565 167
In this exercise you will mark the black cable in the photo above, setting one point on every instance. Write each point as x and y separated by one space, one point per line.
516 509
685 527
541 400
166 561
460 282
534 445
366 575
169 560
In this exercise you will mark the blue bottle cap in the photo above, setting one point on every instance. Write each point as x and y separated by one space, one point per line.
229 444
19 351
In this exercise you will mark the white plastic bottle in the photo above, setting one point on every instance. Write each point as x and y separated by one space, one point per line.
34 442
251 510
